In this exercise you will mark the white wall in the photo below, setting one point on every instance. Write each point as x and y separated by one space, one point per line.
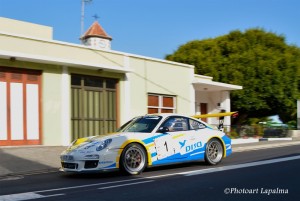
166 78
216 102
25 28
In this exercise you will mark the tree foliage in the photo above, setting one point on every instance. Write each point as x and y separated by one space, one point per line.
260 61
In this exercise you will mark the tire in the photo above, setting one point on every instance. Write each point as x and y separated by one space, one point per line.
133 159
214 152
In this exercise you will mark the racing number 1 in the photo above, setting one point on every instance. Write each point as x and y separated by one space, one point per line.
166 146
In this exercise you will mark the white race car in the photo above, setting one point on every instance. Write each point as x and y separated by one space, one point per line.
145 141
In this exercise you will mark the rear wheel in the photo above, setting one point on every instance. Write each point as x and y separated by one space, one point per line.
133 159
213 152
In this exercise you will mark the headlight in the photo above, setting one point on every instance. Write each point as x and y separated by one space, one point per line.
66 158
103 144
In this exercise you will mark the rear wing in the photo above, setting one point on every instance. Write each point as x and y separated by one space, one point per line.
221 116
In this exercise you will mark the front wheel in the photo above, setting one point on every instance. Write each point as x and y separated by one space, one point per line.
133 159
213 152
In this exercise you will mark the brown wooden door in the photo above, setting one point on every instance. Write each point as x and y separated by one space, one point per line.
203 110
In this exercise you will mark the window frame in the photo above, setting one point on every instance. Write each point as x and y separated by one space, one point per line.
160 106
174 117
190 126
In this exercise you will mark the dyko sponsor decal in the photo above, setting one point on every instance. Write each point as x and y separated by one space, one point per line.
193 147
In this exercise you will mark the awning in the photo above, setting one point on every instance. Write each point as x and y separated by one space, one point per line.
205 83
59 61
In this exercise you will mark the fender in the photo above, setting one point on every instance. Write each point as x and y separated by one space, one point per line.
223 144
129 142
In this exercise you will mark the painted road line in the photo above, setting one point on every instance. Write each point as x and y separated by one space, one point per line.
88 185
232 167
24 196
122 185
20 196
160 176
36 194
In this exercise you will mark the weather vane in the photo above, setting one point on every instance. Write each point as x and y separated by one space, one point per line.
96 17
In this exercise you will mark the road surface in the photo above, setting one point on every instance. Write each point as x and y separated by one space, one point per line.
268 174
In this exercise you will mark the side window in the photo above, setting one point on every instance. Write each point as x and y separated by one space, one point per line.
176 124
195 125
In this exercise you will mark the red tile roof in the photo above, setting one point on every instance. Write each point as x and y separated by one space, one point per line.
96 31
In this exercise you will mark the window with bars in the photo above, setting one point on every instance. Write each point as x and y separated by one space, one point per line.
158 103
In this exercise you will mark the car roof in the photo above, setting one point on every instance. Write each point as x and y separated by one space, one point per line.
164 115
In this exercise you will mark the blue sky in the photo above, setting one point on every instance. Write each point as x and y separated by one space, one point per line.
156 28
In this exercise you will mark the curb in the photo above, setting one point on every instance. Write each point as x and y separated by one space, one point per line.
276 139
29 172
253 140
250 147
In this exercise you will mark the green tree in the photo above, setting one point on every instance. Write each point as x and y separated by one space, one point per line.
260 61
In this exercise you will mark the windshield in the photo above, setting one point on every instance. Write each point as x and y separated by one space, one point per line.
144 124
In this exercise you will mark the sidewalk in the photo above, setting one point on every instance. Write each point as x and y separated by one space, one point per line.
38 159
29 159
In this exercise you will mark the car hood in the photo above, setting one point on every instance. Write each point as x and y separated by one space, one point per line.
87 143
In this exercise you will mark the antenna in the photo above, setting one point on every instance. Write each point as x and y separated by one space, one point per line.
82 14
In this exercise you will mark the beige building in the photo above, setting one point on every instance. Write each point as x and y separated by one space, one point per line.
52 92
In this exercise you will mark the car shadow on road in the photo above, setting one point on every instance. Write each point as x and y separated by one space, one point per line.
148 172
91 175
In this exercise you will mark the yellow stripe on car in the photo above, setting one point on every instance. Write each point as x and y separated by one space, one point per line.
81 140
177 136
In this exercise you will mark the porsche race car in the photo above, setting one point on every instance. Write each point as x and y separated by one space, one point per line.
146 141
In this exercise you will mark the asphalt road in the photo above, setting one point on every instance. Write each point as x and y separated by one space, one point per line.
269 174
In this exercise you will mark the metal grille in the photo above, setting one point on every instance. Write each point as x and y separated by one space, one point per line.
93 106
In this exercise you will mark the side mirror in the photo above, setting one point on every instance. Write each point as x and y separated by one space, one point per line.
163 130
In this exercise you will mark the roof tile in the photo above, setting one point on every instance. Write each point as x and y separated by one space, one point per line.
96 31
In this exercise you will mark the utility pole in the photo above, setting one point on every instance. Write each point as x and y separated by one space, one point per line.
82 14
